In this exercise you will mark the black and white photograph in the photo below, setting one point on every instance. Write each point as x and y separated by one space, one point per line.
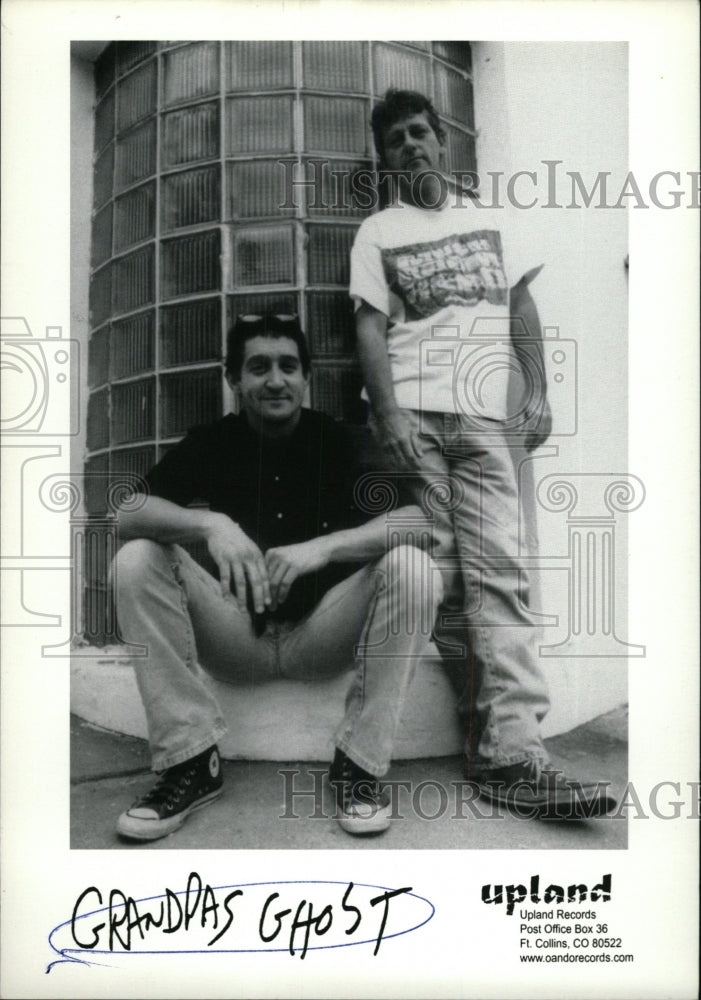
326 217
350 515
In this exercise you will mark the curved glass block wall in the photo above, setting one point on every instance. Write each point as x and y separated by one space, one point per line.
193 222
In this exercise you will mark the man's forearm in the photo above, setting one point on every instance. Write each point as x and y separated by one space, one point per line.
371 328
165 522
399 441
371 540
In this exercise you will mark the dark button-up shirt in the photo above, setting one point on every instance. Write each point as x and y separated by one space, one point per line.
279 491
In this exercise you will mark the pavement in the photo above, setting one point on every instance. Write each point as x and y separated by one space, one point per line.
264 805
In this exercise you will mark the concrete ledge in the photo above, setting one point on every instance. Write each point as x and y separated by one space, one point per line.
280 720
292 720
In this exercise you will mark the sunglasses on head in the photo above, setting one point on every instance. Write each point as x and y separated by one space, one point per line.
272 322
256 318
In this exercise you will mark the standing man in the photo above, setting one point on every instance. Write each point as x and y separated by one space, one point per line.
303 588
443 313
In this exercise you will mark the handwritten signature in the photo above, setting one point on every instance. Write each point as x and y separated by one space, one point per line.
287 917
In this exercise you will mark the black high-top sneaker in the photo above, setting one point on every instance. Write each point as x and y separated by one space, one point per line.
178 792
362 806
538 790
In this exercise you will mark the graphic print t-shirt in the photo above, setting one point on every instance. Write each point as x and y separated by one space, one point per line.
442 278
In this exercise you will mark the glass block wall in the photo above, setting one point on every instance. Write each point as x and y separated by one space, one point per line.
193 222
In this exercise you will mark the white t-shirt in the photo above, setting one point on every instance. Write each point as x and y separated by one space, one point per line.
442 278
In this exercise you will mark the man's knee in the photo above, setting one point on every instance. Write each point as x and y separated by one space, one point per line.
134 563
414 569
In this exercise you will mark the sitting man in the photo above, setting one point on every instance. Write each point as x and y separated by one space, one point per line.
290 601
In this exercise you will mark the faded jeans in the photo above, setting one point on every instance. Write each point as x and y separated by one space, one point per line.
380 618
485 631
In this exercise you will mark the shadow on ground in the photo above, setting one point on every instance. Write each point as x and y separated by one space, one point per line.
262 806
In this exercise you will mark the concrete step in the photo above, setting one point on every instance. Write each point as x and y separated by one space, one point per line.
274 721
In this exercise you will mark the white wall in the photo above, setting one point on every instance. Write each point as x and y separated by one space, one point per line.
82 98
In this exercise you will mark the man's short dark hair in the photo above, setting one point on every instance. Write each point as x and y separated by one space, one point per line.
397 105
268 325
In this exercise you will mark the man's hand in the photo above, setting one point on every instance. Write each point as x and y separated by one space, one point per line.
238 559
398 441
400 445
288 562
538 424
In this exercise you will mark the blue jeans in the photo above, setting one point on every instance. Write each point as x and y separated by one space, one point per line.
485 630
380 618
